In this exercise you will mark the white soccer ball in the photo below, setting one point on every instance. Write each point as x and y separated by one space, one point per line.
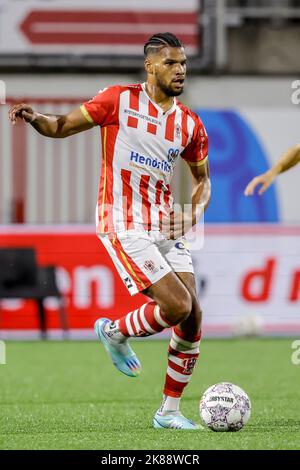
225 407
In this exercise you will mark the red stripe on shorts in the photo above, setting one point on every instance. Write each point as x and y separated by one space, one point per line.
130 266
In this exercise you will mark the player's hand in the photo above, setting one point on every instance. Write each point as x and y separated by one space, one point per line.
21 111
176 225
179 223
265 180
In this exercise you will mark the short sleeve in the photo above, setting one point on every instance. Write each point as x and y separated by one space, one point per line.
103 109
196 152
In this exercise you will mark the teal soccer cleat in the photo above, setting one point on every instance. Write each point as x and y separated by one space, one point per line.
122 355
174 420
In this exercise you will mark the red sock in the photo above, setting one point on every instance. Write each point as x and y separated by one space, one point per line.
182 357
145 321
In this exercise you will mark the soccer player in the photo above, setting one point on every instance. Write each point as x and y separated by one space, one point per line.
287 161
144 130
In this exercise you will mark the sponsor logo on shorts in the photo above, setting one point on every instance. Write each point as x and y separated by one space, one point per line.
182 247
128 283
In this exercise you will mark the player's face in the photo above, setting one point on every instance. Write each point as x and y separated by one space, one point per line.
169 69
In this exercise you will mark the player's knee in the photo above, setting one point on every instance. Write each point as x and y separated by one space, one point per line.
185 307
195 319
180 308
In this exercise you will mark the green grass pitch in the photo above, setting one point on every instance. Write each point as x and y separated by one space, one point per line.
67 395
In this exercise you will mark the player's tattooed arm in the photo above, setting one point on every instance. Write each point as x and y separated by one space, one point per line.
287 161
51 125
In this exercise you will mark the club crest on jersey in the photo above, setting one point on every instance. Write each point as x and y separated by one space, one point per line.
172 155
177 131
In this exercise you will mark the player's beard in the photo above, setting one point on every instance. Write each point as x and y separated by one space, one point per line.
168 91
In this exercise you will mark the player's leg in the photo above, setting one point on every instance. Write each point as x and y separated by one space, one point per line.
170 305
185 341
142 267
183 350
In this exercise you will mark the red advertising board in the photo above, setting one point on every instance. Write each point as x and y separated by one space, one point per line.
248 279
85 273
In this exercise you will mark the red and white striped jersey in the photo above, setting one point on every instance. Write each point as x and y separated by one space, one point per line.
140 146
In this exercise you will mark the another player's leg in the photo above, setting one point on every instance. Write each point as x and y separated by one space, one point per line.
182 357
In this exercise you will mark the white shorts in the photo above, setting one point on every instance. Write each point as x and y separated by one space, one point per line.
143 258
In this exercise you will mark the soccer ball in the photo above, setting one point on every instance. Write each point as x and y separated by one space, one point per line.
225 407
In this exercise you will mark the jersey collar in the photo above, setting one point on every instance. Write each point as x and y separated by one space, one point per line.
160 110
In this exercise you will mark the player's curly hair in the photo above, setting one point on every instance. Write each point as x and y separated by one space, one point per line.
160 40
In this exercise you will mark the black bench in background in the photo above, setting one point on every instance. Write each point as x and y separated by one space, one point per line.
22 278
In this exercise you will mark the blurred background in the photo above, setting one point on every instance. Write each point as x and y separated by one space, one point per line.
244 81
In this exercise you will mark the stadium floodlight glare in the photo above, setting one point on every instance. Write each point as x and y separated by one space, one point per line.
2 92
